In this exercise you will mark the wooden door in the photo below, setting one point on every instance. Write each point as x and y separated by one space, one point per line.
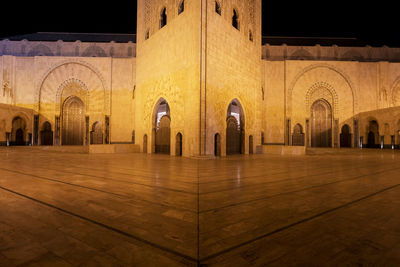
233 136
163 136
73 122
321 119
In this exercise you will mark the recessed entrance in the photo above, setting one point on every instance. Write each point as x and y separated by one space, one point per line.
162 129
18 133
96 135
73 117
373 134
298 135
234 128
345 136
321 124
46 135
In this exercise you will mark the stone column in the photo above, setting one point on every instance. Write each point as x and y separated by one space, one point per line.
8 138
355 133
57 131
107 130
288 132
307 133
35 130
87 138
336 134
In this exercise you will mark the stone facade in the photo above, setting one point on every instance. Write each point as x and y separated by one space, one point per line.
198 58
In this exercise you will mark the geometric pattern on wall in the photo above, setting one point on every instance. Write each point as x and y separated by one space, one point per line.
322 90
396 96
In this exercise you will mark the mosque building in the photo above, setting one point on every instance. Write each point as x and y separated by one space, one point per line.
198 79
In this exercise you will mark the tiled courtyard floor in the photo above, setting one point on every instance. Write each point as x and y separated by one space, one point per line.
70 209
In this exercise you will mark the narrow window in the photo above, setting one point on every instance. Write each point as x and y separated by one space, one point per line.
262 93
218 8
163 19
235 19
250 36
147 35
181 7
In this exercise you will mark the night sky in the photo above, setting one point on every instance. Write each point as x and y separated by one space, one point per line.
375 24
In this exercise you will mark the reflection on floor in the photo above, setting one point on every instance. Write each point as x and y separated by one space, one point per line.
63 209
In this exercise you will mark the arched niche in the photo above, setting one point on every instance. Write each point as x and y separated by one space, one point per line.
18 131
298 135
178 144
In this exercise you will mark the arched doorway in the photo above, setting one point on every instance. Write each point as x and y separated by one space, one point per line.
298 135
217 145
235 128
96 135
46 135
73 121
373 134
321 124
162 128
18 133
178 145
345 136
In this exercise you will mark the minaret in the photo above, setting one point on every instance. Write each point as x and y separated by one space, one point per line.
194 57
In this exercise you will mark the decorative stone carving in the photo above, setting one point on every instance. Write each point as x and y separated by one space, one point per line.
328 66
322 90
383 98
396 94
62 71
6 84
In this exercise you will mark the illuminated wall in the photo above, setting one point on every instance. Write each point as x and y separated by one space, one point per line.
168 67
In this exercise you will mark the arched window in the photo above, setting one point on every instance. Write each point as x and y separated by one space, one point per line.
235 19
181 7
218 8
163 18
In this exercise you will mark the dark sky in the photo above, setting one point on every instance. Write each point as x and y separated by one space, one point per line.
374 22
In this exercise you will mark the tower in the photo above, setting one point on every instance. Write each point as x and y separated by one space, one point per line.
194 57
